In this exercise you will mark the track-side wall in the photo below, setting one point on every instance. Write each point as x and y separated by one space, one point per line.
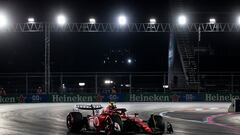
135 97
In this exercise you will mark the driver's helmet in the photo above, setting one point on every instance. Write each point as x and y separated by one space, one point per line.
111 106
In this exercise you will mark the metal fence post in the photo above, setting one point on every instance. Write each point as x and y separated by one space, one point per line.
232 80
164 82
130 83
96 84
61 80
26 83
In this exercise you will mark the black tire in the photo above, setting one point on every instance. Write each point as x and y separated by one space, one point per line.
111 129
74 122
169 128
157 123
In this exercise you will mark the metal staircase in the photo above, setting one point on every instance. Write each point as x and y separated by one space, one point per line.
185 47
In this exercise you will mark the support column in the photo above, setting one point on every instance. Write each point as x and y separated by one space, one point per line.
96 84
47 58
232 83
164 82
26 83
130 83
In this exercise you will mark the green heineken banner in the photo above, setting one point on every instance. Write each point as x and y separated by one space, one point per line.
72 98
221 97
150 97
8 99
121 97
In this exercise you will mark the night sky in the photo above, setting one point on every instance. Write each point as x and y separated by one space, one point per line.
79 52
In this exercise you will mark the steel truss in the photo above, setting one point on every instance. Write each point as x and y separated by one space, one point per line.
133 27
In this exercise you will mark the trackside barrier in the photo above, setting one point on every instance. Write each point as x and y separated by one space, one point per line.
122 97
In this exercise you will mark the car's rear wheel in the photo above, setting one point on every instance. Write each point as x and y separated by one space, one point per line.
74 122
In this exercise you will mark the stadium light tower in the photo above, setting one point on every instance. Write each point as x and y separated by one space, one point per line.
182 20
61 19
3 20
122 20
152 21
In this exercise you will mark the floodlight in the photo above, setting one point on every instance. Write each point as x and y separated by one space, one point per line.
31 20
122 20
92 21
152 21
63 86
165 86
61 19
238 20
3 20
108 81
81 84
129 61
127 85
212 20
182 20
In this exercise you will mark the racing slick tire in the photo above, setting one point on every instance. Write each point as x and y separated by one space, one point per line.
157 123
114 125
75 122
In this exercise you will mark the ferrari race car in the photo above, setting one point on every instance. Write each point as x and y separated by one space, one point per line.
112 120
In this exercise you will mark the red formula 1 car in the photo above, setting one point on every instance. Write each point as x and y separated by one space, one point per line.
112 120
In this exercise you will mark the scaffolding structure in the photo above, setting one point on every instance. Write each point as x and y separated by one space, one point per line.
49 28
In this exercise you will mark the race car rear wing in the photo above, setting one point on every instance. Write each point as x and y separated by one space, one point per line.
88 107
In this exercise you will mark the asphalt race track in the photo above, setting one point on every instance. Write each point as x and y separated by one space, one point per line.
186 118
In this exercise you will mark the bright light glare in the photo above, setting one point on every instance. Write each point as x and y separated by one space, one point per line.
92 21
182 20
129 61
165 86
214 108
81 84
152 21
212 20
199 109
3 20
127 85
122 20
63 86
108 81
61 19
238 20
31 20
